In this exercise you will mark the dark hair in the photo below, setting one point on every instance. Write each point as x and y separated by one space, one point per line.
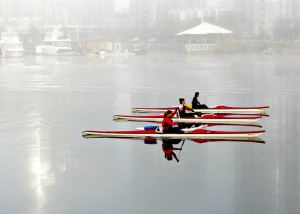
181 100
167 112
196 94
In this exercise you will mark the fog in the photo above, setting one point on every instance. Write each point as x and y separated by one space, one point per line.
256 25
70 65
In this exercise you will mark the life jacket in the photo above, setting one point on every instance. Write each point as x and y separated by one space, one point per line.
195 103
165 123
182 109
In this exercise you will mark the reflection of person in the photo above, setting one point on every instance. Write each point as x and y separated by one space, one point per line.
167 147
168 125
196 104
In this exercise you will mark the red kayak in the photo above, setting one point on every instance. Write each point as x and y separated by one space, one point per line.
189 133
249 120
222 109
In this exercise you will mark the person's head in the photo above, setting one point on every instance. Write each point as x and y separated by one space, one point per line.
197 94
169 157
181 100
167 113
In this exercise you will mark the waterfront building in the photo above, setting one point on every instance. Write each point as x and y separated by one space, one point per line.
204 37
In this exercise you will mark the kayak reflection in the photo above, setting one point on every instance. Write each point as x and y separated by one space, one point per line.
169 146
170 141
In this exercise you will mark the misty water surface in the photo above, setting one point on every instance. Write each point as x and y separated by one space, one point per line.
47 167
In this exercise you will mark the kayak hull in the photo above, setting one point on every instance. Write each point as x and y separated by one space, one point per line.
193 133
222 109
200 120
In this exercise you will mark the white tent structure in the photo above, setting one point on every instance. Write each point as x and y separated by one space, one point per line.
205 28
204 32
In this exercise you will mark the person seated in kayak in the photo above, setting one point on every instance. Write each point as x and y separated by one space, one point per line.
196 104
168 149
183 114
168 125
183 108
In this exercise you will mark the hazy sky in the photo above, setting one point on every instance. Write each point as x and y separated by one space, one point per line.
121 4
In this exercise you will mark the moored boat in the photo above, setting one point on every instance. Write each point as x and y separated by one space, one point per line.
11 46
56 43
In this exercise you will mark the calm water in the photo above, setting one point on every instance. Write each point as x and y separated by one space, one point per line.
47 167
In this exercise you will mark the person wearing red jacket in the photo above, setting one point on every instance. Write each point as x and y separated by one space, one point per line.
168 126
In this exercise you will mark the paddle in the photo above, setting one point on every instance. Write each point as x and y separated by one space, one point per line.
178 115
181 148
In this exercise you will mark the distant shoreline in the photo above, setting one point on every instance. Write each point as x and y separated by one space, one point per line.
238 46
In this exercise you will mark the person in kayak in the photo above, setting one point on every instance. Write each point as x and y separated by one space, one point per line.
196 104
168 125
168 149
183 108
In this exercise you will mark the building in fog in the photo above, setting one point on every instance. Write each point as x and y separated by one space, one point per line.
62 12
268 19
143 16
272 14
19 9
252 17
161 10
220 3
288 25
289 9
220 12
91 12
183 10
149 14
81 17
50 11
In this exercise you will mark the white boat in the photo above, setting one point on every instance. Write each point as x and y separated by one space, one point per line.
11 46
140 48
55 43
